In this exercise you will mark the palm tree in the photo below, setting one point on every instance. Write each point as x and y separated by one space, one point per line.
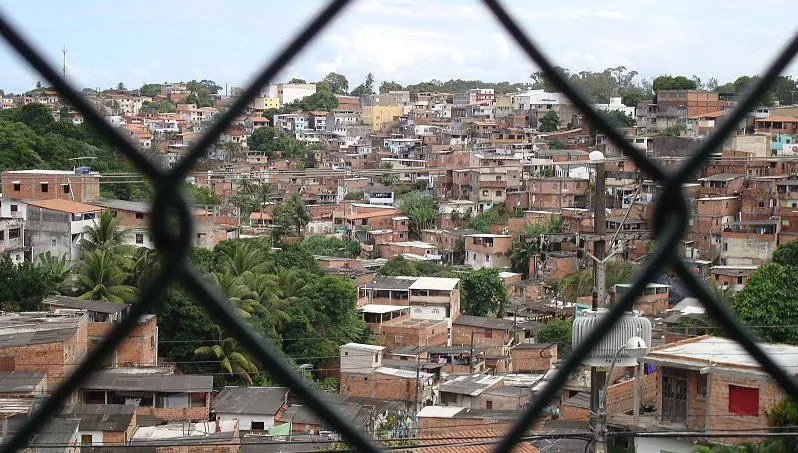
105 234
298 212
288 284
520 254
239 296
145 264
246 257
262 193
263 288
230 359
100 277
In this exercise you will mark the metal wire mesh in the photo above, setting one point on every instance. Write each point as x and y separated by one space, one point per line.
670 224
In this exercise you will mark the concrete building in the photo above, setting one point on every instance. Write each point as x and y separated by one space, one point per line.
57 226
290 92
255 408
165 396
487 250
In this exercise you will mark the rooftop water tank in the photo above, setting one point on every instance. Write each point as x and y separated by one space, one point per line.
630 325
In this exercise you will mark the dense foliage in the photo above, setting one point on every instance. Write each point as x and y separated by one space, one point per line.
273 143
483 293
549 122
580 283
667 82
330 246
769 303
399 265
556 331
421 209
31 138
281 294
482 221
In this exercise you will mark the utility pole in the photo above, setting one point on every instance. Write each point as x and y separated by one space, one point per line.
598 376
418 377
471 359
64 51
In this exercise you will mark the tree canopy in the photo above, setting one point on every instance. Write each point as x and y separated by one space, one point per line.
387 86
336 82
421 209
667 82
549 122
31 138
482 293
770 301
367 87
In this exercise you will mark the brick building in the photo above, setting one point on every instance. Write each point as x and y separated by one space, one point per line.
362 374
50 184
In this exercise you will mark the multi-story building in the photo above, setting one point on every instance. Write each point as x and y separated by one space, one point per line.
290 92
57 226
487 250
79 185
12 240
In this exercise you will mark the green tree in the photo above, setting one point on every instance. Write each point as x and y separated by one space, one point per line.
421 209
200 195
367 87
674 131
330 246
121 86
387 86
768 299
784 414
337 83
297 80
387 178
556 331
230 358
23 286
667 82
398 266
522 250
99 276
549 122
786 254
356 195
617 118
483 293
150 89
482 221
106 234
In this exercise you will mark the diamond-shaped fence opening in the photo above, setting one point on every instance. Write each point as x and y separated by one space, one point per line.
670 224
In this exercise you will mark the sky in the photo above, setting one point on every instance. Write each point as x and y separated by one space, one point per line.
408 41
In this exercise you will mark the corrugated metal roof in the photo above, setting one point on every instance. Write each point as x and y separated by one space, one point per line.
249 400
184 383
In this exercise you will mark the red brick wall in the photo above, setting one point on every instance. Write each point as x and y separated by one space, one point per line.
377 385
82 188
461 335
528 360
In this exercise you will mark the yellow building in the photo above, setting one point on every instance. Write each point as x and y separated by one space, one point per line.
379 116
261 104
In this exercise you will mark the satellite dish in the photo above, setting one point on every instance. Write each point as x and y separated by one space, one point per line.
596 155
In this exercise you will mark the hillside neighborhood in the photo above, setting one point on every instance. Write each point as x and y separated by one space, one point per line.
427 256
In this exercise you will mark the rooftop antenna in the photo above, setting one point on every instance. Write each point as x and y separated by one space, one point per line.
64 51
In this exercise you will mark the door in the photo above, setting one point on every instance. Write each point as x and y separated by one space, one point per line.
674 396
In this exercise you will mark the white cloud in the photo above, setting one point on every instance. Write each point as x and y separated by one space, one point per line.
585 13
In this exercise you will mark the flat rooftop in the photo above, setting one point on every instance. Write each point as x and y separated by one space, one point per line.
717 351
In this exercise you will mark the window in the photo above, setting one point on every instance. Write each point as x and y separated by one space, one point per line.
739 280
484 193
743 400
498 193
2 235
487 258
139 215
139 238
17 187
13 233
488 404
45 187
52 242
701 386
14 208
85 439
256 426
65 188
488 334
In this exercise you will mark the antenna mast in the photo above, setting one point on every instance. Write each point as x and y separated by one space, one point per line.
64 51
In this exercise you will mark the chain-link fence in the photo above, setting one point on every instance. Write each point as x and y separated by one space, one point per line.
173 238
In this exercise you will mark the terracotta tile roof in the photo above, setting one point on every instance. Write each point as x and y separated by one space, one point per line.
715 114
70 206
487 436
260 216
777 118
366 215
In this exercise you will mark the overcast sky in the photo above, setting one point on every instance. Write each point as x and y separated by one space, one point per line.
403 40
